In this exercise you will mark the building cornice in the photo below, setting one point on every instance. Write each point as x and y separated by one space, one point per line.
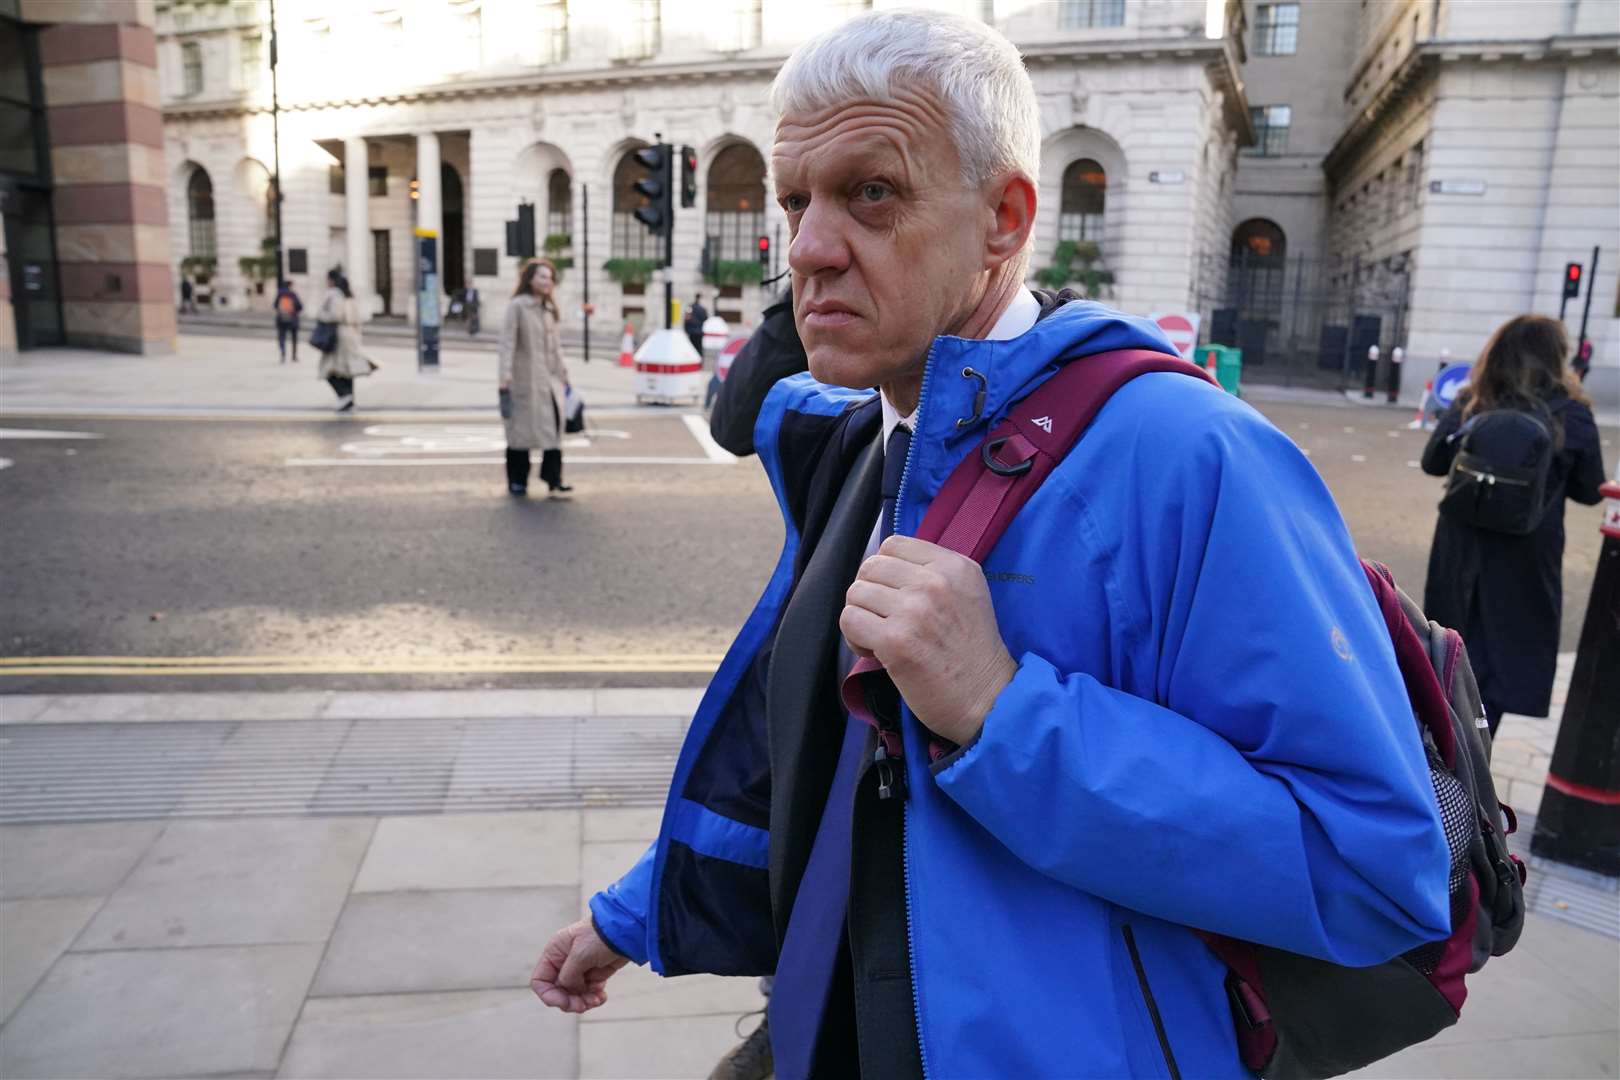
1425 61
1215 53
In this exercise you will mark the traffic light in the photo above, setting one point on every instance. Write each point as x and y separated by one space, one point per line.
658 211
688 177
520 233
765 252
1572 281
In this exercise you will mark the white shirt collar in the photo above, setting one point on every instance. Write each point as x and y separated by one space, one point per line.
1020 315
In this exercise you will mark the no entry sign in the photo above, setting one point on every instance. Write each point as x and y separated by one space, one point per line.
1181 329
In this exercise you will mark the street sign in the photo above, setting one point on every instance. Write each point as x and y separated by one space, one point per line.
1457 187
1167 176
1181 329
1448 382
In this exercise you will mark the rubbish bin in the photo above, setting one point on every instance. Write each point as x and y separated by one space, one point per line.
1228 366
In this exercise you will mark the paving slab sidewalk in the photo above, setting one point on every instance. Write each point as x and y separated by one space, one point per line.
242 375
401 945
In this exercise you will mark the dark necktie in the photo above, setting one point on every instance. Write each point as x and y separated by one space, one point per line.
809 953
894 467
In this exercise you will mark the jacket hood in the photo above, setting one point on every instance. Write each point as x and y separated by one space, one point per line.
949 410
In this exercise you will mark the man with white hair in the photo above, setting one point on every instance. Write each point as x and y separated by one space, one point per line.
1174 706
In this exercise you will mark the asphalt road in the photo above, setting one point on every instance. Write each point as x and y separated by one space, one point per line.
231 555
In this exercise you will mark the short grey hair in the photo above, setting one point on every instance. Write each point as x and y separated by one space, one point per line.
975 72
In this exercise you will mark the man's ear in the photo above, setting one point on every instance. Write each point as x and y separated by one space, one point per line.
1012 204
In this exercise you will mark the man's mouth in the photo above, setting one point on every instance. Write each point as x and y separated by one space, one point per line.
827 315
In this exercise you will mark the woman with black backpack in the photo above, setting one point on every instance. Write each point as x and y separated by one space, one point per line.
1518 440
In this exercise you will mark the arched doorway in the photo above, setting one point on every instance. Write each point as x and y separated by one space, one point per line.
1082 202
631 239
1259 264
200 214
452 207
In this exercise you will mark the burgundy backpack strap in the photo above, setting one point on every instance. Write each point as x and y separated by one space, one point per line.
988 488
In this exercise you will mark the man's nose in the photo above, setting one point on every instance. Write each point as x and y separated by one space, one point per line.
819 245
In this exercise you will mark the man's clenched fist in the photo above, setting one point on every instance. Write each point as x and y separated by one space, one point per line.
924 611
574 969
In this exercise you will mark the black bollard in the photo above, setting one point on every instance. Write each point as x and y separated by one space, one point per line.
1579 821
1396 355
1370 376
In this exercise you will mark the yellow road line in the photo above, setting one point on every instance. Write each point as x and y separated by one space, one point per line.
254 665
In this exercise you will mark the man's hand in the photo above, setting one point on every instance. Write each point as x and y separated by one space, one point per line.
574 969
924 611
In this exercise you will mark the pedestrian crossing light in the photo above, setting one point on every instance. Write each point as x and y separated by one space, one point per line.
688 178
657 211
765 251
1572 281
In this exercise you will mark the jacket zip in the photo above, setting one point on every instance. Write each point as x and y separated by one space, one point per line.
905 806
1492 478
1152 1006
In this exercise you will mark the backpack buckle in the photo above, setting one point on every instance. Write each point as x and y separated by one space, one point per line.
988 453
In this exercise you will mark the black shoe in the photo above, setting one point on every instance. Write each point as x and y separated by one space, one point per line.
750 1059
346 403
560 489
517 489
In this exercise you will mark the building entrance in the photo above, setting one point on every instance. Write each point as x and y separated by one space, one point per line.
31 266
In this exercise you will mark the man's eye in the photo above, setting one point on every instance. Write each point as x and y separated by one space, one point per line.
874 192
794 203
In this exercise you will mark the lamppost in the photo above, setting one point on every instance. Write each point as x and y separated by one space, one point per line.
275 128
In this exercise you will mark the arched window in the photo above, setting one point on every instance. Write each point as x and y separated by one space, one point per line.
559 203
736 203
1258 239
1259 264
631 239
453 220
1080 211
200 206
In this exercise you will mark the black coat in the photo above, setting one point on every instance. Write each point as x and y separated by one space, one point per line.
1505 593
772 353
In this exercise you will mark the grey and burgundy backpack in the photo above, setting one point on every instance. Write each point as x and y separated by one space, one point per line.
1296 1017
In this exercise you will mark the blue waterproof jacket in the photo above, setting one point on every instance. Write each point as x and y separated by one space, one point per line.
1207 730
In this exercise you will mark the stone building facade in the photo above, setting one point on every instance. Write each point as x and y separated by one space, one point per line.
1481 154
445 114
83 226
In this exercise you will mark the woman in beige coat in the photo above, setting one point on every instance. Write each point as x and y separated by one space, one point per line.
341 365
534 382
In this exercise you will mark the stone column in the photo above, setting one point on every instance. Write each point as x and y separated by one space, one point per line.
99 68
430 200
357 221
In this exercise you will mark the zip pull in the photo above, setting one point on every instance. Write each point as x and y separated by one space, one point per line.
890 781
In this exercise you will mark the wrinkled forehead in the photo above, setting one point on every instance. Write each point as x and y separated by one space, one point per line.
908 130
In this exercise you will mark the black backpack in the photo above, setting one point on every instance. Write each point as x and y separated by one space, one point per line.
1498 479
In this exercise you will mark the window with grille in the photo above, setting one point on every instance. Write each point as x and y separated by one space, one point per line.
559 204
1089 14
1276 30
554 32
1270 130
252 60
1083 196
191 68
644 35
631 239
200 213
743 28
735 211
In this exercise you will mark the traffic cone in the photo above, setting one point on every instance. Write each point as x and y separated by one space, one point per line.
1420 421
627 347
1209 363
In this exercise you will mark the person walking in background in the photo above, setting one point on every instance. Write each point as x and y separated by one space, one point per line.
188 296
344 361
288 307
693 323
1503 591
534 380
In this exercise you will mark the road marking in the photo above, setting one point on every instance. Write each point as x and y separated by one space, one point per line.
551 663
573 459
1358 458
699 428
38 433
6 463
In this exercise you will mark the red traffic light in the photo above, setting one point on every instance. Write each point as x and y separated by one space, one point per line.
1572 280
765 251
